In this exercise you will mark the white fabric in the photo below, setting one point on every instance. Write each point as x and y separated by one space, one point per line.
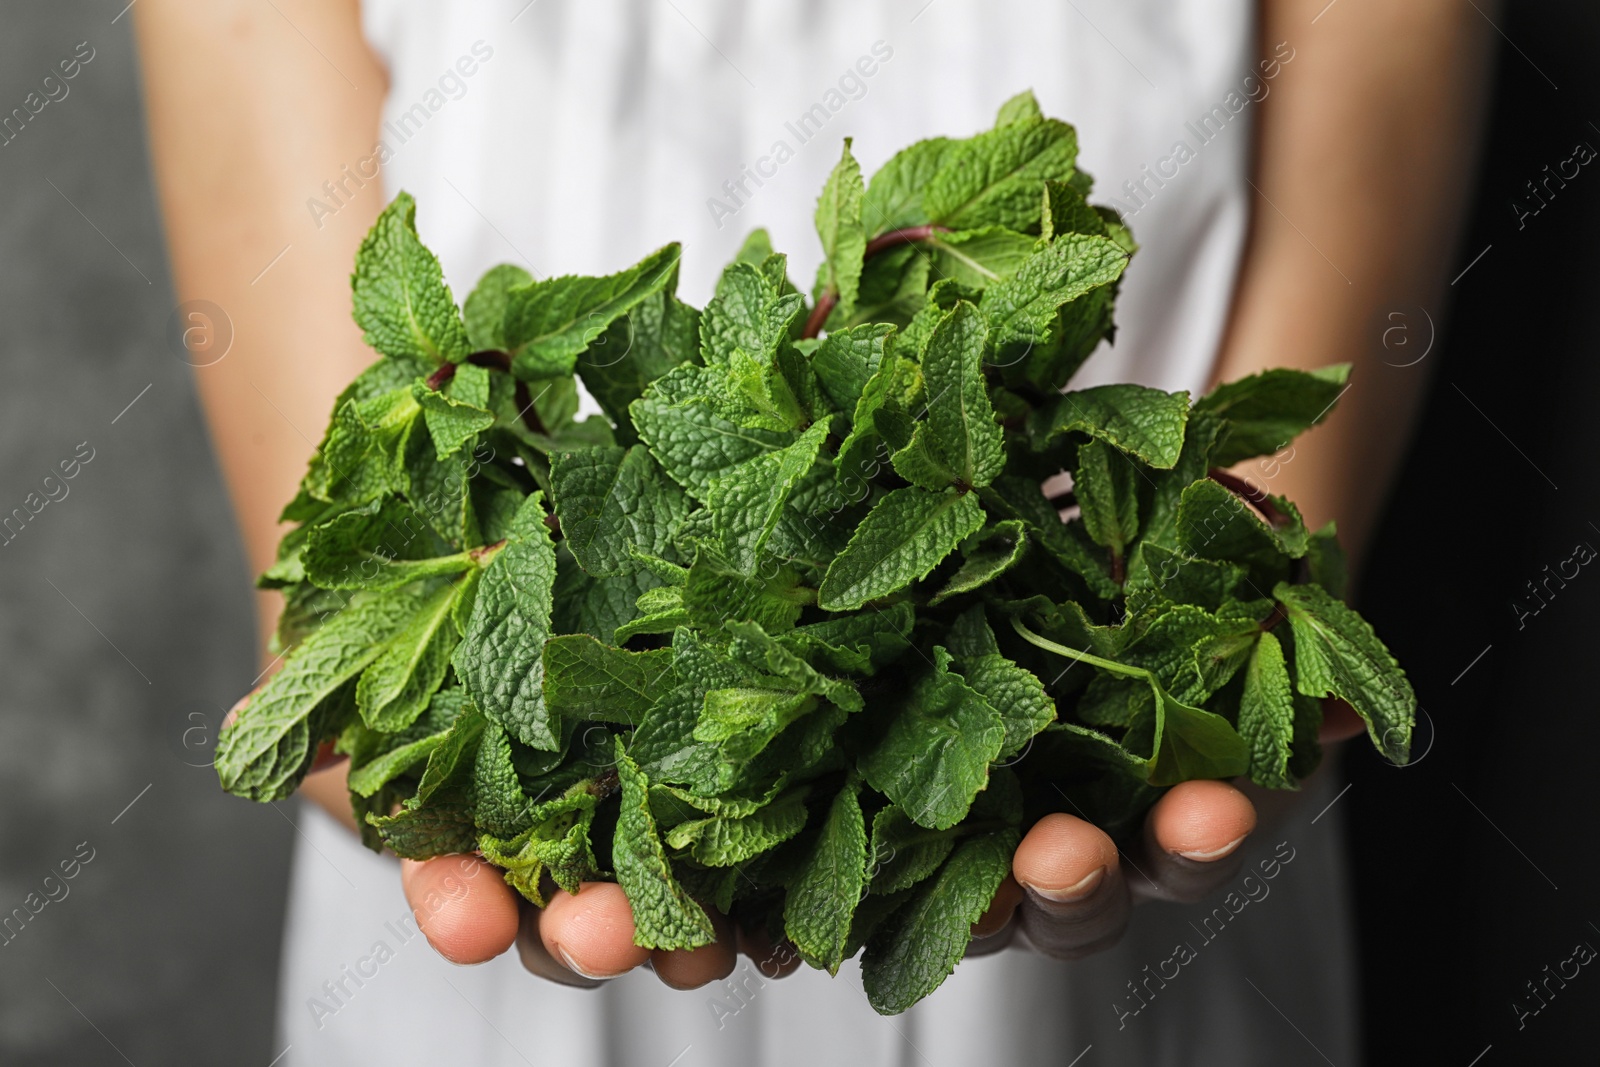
575 138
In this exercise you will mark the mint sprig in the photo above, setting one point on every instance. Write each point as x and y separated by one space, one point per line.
790 630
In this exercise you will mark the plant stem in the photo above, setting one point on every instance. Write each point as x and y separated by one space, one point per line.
881 243
438 379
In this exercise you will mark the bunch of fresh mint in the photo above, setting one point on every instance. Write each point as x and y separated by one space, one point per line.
790 630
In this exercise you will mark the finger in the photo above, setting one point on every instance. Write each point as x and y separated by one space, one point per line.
693 968
536 959
773 960
1075 901
591 932
462 906
1191 841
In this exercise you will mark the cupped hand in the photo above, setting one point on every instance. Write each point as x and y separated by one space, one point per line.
1070 893
470 915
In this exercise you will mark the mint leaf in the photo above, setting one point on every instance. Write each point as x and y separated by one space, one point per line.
919 946
1106 485
549 323
664 916
269 747
1015 692
584 679
1020 108
1266 411
735 837
1336 653
847 359
1266 715
397 687
818 907
935 755
500 657
960 418
660 333
902 538
844 238
1023 309
452 423
903 853
894 197
1066 211
979 258
997 177
381 545
1147 423
401 301
1002 547
1214 523
612 503
747 501
485 310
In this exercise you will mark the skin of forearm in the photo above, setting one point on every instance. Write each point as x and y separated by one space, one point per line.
1363 149
251 107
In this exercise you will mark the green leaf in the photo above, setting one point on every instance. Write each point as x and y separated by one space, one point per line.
1023 309
450 764
979 258
584 679
731 839
664 916
1268 410
694 441
919 946
749 314
660 333
1266 715
1020 108
1066 211
1336 653
381 545
1002 547
844 238
1016 693
847 359
398 685
747 501
935 755
269 747
548 323
906 534
400 297
1213 522
499 805
903 853
374 774
613 502
451 422
486 306
1148 423
960 417
819 906
500 657
1185 743
894 197
1106 485
997 177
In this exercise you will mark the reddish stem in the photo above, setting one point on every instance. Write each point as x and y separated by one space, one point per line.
881 243
440 377
492 359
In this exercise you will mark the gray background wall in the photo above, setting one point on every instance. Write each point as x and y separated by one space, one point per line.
124 620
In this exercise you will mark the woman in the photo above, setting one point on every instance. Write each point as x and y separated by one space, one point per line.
1285 199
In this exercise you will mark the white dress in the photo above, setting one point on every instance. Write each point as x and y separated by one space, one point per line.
576 137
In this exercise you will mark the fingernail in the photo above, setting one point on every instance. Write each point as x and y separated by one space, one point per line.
572 966
1216 853
1071 893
